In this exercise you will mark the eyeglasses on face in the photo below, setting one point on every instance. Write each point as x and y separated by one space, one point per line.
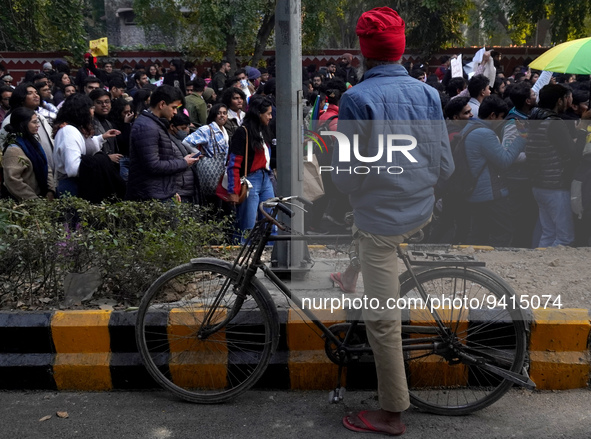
105 102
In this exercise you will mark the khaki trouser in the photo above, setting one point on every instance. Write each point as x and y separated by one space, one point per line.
379 267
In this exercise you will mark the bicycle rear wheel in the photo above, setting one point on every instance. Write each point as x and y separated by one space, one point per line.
201 360
484 329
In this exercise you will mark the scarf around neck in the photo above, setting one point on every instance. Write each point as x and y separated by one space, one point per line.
36 155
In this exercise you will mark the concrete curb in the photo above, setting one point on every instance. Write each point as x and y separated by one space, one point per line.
96 350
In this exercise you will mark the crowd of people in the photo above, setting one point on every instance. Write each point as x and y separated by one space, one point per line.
524 139
139 134
526 143
143 133
511 166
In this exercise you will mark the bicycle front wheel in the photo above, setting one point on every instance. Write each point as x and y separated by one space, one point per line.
482 327
199 339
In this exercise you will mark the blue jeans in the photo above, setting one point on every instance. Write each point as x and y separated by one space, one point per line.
67 185
556 217
262 189
124 168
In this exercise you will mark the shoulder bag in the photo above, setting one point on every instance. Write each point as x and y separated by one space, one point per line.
222 187
210 169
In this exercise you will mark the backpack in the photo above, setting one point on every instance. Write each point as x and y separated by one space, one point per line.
461 183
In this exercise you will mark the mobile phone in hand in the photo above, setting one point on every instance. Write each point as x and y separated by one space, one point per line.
194 156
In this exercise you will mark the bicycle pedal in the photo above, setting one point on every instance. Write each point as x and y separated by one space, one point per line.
331 397
337 395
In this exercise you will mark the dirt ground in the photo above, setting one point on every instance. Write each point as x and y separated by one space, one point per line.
562 272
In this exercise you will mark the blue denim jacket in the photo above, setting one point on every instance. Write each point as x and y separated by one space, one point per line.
202 139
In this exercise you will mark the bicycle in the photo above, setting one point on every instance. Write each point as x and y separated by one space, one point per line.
206 330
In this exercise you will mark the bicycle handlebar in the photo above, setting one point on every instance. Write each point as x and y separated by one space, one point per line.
278 202
286 210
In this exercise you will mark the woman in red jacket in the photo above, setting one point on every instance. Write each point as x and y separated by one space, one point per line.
255 128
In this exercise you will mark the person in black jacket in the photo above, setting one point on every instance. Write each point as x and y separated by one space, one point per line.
122 118
552 154
178 130
89 70
346 71
155 170
176 76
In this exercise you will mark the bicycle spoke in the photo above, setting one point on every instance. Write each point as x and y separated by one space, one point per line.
205 363
443 381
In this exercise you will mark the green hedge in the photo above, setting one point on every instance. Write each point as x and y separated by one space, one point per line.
131 243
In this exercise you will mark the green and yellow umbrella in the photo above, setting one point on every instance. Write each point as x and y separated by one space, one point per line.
571 57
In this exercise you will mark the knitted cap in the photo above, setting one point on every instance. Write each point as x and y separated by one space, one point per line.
253 74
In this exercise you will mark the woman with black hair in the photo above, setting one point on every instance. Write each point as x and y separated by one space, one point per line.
153 74
253 139
176 76
26 172
235 100
212 141
141 101
25 95
60 81
211 138
72 126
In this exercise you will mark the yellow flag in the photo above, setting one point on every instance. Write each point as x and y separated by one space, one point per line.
99 47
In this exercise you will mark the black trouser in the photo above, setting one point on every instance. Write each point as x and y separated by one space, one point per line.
452 224
524 212
583 230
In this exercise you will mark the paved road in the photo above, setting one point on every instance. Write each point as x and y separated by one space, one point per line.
277 414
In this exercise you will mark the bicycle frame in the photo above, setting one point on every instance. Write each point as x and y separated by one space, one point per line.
250 256
472 358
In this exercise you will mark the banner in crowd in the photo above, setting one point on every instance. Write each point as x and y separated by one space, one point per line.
99 47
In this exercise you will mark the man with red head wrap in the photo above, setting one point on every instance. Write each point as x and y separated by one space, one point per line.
89 69
388 207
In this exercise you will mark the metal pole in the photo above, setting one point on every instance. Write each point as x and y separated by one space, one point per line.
289 256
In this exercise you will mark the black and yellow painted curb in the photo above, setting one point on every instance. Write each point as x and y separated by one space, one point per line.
96 350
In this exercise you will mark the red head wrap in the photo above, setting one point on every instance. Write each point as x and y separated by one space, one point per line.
381 34
88 56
